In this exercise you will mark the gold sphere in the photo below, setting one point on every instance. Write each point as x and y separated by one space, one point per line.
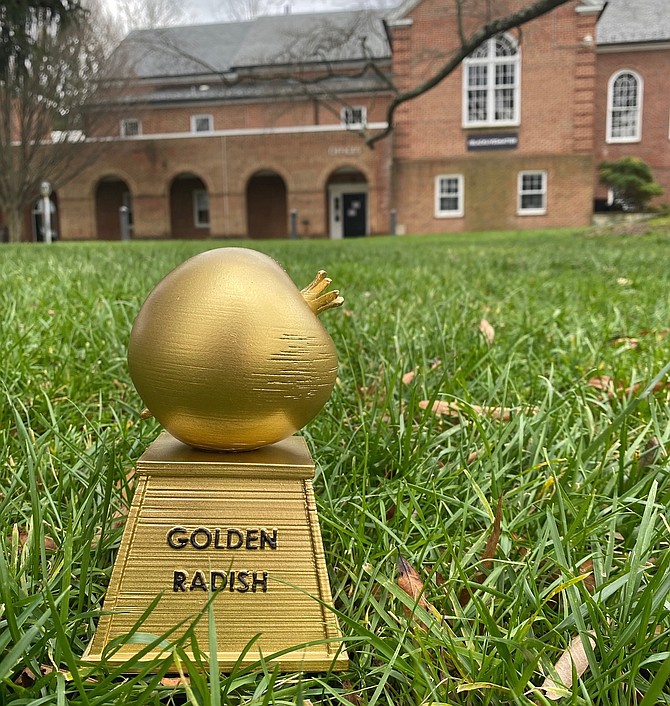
229 355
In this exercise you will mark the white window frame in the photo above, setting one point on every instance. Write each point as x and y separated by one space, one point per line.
491 61
197 193
347 115
449 213
637 136
521 193
123 127
194 122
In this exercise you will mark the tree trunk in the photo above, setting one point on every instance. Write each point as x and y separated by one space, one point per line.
15 223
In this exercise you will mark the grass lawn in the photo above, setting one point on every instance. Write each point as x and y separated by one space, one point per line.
562 422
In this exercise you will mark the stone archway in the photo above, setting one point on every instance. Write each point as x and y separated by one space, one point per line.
347 204
111 193
189 207
267 211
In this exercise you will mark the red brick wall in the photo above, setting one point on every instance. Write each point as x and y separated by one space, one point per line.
654 146
182 215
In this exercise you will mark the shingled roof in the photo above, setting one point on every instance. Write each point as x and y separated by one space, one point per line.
632 21
266 41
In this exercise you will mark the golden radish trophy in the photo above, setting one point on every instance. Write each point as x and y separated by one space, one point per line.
231 359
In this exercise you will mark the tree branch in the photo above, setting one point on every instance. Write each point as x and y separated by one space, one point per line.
490 29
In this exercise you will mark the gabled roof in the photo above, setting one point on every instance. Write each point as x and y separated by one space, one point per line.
265 41
633 21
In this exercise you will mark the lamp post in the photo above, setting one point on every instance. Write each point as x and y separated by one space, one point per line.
45 191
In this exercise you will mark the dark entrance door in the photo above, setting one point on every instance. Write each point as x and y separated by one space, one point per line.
355 216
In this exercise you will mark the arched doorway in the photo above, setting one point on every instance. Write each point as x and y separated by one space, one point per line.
267 213
347 203
189 207
111 194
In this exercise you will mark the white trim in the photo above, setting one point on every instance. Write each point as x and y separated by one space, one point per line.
195 118
490 62
633 46
293 130
335 225
543 191
123 128
458 211
640 93
197 223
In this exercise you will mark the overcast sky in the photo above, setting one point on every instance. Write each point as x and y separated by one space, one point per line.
214 10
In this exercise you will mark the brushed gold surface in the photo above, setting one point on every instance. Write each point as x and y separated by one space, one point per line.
267 491
228 354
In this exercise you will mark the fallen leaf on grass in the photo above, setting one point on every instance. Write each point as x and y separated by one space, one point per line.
616 387
454 410
175 681
349 694
146 414
408 377
574 655
489 552
487 331
472 456
409 581
650 452
49 543
624 341
586 570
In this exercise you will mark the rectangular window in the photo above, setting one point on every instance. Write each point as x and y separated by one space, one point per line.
202 123
201 208
354 115
532 199
131 127
449 196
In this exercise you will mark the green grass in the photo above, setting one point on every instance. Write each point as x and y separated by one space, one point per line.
581 480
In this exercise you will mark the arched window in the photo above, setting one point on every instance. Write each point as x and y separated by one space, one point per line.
491 83
624 107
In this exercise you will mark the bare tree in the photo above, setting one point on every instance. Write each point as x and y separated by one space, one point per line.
46 89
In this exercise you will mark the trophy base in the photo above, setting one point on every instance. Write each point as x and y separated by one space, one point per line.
240 529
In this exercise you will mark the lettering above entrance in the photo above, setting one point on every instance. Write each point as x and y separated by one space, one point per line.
499 141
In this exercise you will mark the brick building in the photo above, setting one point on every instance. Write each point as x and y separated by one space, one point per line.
255 129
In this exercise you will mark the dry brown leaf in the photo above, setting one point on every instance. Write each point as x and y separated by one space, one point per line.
650 452
390 512
411 584
409 581
175 681
488 554
624 341
49 543
408 377
494 538
26 678
146 414
614 388
436 363
586 570
487 331
472 456
349 695
454 410
575 654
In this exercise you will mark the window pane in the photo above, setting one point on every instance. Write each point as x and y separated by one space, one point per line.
534 201
477 105
449 203
477 76
203 124
505 104
505 74
491 83
624 92
504 46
